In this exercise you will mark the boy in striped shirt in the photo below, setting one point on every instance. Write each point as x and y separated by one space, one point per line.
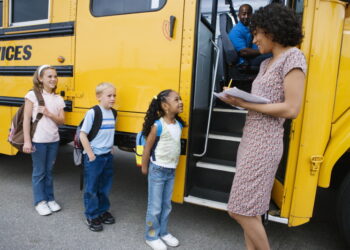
98 159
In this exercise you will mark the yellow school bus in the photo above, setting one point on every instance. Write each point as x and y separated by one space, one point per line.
146 46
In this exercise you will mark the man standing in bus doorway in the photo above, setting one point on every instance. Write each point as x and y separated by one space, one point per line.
242 39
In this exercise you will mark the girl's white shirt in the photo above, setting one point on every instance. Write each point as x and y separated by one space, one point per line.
46 130
168 148
174 129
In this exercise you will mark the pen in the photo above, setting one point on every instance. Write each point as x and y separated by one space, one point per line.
229 84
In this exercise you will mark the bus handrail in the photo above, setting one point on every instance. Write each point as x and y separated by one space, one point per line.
211 99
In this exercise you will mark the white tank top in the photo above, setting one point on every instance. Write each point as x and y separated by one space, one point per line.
168 148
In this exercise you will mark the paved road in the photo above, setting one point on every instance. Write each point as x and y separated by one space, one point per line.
196 227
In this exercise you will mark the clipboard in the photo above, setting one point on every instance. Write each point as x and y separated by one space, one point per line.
236 92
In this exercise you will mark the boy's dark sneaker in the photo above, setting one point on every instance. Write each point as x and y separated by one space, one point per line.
94 224
107 218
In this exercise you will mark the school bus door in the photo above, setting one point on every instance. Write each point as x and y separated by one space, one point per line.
128 43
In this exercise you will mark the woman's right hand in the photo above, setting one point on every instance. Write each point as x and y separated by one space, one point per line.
27 147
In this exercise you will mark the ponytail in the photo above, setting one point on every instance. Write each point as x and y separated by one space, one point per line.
154 111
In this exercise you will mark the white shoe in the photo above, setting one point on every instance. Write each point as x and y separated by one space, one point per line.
53 206
42 208
156 244
170 240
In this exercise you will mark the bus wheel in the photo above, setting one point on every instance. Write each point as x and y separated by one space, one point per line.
343 208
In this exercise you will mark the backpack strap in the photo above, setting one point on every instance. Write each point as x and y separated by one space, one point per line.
39 97
159 127
41 102
114 113
180 124
96 125
159 132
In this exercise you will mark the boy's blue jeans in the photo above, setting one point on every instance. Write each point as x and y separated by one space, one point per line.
160 190
98 178
43 159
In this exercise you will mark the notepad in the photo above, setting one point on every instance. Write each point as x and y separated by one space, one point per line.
243 95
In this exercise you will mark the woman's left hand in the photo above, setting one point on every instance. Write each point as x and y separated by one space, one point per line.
229 99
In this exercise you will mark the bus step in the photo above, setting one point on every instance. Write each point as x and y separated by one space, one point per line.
217 164
278 219
228 120
211 183
223 206
225 136
230 110
206 203
223 146
210 195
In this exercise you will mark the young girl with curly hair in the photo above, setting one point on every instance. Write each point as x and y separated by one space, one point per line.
159 160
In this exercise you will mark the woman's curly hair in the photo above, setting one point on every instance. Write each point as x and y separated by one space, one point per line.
280 22
155 111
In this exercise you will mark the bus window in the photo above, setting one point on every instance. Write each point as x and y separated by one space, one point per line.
298 6
206 9
24 12
0 13
112 7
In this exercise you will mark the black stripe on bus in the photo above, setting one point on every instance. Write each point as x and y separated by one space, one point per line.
54 29
62 71
18 101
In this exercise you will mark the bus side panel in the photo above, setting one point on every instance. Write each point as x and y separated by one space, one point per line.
338 145
187 58
134 52
63 10
319 104
295 132
342 101
340 138
24 48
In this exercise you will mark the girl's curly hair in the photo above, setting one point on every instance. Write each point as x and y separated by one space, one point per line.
155 111
280 22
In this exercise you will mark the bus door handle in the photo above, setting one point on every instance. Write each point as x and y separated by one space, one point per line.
172 25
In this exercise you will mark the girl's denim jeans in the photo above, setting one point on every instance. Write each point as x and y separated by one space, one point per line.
43 158
160 190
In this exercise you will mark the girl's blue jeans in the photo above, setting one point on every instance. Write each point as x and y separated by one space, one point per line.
43 158
98 178
160 190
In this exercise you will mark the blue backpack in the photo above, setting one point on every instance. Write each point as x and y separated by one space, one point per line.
141 142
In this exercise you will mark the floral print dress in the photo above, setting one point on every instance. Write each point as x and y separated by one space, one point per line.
261 147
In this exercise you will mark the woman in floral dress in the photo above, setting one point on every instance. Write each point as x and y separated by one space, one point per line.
276 30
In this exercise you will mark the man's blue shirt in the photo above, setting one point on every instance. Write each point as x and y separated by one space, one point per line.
241 38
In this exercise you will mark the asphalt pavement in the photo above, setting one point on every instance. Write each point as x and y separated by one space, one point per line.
196 227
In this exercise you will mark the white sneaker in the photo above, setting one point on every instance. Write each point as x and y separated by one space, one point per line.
156 244
42 208
170 240
53 205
